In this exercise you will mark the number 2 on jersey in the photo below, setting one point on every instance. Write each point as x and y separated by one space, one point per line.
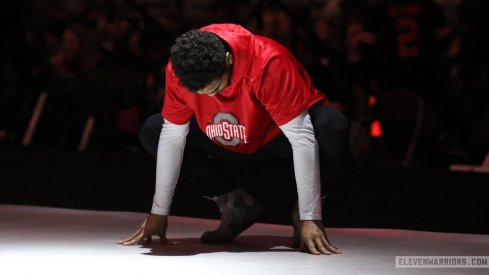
407 28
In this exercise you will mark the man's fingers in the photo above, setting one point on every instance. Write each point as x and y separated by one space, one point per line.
322 245
334 249
311 247
134 240
139 231
329 247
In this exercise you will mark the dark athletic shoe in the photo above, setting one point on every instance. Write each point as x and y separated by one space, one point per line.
239 211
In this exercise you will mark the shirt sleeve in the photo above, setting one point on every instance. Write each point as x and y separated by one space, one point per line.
285 89
168 163
300 133
175 108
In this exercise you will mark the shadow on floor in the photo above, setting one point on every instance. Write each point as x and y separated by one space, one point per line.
193 246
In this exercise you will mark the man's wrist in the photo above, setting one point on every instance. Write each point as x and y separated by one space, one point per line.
311 222
158 215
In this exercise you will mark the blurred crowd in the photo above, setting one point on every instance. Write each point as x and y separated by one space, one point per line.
104 59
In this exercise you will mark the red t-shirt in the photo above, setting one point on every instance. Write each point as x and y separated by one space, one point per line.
269 87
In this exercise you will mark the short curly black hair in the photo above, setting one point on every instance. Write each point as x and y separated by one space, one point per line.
198 58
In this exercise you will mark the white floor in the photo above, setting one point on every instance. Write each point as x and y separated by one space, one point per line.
38 240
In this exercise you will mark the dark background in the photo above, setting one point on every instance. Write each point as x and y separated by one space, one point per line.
367 195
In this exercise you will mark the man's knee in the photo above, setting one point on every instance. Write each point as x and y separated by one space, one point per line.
150 132
328 118
152 124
